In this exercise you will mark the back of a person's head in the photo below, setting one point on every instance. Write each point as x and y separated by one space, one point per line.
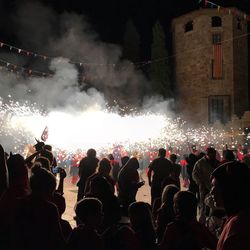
233 180
44 162
185 205
229 155
173 157
47 154
88 208
111 157
91 153
39 145
104 166
168 194
162 152
140 214
191 159
16 168
124 160
42 182
59 201
132 164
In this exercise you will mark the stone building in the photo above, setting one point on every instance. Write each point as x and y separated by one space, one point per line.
211 65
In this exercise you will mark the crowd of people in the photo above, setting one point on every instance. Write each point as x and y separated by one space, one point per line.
212 212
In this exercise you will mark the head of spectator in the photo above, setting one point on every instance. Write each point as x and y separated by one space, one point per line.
104 167
91 153
168 194
191 159
42 182
89 212
124 160
39 145
228 155
111 157
185 205
18 173
44 162
173 158
162 152
211 153
48 154
230 187
140 215
132 164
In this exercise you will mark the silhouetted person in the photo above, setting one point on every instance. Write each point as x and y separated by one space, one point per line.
59 200
176 169
89 213
201 175
165 213
104 169
36 224
100 189
161 169
231 189
141 220
87 167
191 160
128 183
115 167
185 233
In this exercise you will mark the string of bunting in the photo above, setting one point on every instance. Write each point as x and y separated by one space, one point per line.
14 68
20 70
229 11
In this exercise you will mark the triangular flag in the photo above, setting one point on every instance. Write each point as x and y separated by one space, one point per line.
27 53
1 45
45 134
19 50
30 71
10 47
7 64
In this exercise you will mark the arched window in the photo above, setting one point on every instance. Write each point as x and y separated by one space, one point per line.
189 26
216 21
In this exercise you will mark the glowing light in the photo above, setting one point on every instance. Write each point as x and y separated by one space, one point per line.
100 129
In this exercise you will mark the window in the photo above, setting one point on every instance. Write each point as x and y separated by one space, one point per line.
216 21
219 109
216 38
217 61
189 26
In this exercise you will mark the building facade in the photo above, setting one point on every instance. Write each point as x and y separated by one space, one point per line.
211 66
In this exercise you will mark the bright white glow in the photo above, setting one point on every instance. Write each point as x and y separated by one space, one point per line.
100 129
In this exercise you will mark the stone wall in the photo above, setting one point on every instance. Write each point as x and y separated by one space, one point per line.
193 65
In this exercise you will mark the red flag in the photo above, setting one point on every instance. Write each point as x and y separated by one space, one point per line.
45 134
217 62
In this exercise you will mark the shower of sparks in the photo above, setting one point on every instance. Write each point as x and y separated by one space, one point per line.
100 129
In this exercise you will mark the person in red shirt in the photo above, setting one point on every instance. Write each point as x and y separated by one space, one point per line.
230 190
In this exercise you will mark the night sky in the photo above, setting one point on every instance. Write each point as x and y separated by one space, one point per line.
109 17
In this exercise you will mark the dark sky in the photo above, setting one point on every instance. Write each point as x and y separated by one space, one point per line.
109 17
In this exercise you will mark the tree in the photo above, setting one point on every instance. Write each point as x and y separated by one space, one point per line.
160 69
